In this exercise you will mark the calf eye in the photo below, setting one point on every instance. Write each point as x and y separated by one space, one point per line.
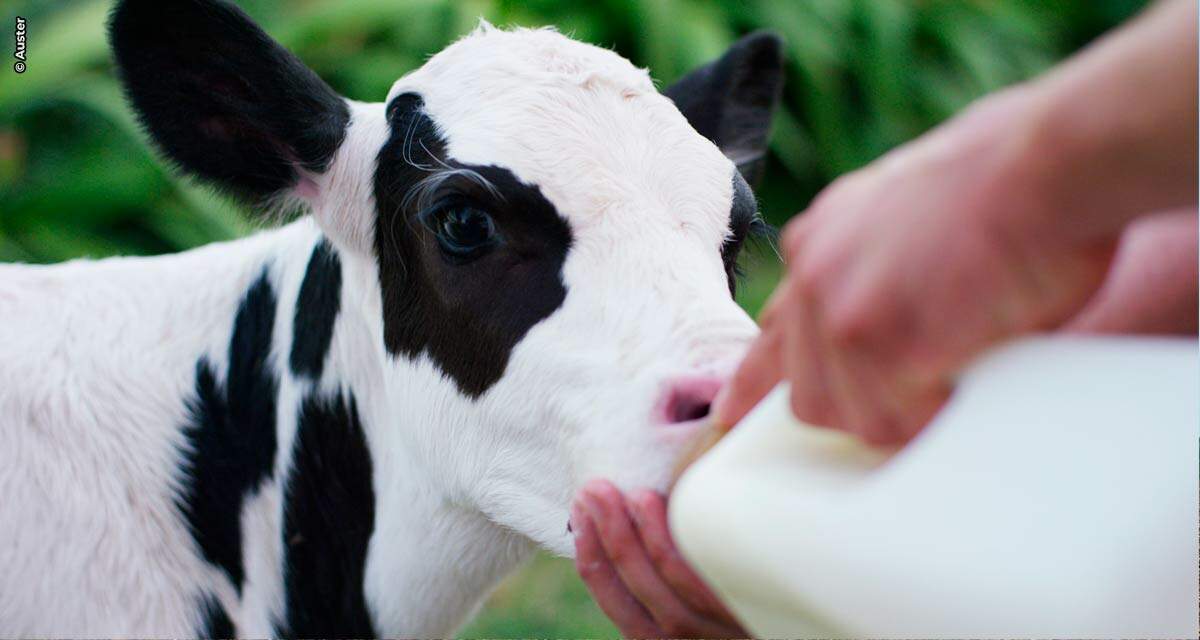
463 233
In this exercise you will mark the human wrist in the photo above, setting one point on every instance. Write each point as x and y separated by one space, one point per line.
1110 135
1068 171
1026 177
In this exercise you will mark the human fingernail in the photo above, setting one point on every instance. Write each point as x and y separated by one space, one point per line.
587 505
634 506
574 524
717 410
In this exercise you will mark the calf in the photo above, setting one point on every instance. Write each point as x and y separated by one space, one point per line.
516 275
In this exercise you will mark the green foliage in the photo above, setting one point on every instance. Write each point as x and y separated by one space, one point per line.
78 179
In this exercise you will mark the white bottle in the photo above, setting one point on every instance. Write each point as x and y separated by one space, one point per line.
1055 495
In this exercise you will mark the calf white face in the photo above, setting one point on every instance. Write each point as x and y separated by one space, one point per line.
553 240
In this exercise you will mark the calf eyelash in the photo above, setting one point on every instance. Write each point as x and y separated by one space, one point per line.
426 192
762 232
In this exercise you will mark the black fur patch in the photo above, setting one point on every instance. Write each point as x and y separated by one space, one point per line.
730 100
466 317
329 515
221 98
216 621
232 434
317 308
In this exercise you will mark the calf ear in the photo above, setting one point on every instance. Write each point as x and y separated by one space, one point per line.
730 100
222 99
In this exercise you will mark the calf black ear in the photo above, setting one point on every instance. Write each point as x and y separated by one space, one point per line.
731 99
221 98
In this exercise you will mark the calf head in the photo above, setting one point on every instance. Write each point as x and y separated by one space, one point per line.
548 243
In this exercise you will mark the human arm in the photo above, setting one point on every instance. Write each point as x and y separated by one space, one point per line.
1000 222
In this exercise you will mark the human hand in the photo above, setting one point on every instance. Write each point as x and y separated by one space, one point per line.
625 555
898 274
1151 287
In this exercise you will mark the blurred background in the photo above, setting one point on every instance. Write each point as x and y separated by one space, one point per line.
78 179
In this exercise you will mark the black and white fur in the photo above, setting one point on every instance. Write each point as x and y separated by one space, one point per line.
516 275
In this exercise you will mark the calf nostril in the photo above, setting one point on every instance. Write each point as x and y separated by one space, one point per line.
689 399
688 409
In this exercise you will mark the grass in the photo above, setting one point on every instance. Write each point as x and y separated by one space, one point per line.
545 599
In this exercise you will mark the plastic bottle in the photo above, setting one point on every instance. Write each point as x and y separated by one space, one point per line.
1054 496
